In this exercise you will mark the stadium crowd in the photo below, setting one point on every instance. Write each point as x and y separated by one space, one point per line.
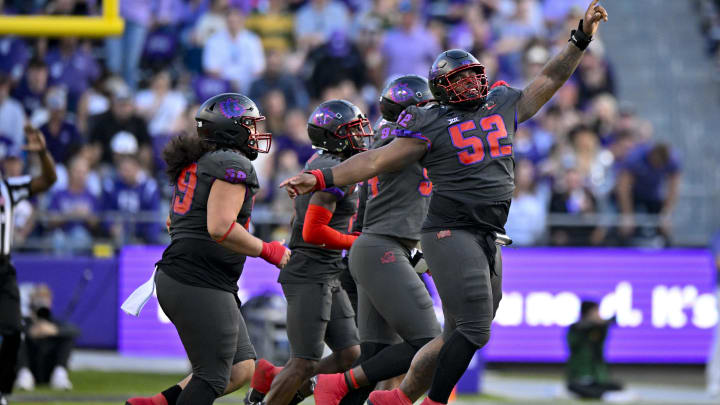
107 108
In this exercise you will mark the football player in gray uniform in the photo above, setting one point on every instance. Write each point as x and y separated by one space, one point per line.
466 144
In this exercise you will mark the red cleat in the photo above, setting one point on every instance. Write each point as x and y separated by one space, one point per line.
394 397
263 377
157 399
330 389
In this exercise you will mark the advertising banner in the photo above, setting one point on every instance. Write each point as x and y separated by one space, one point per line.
664 302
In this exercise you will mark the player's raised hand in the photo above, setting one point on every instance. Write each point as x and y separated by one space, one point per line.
594 14
303 183
35 140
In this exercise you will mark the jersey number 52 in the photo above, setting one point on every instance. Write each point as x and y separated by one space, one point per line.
473 150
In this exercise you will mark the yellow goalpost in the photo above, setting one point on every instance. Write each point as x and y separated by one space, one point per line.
108 24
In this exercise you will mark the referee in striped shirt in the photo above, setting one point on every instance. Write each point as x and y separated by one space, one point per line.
12 191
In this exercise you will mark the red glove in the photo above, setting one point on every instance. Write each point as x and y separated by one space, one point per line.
317 231
272 252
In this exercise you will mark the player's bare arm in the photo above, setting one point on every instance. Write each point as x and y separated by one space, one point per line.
48 176
325 200
391 157
558 70
223 206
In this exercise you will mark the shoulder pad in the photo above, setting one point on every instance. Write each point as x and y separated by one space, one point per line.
230 166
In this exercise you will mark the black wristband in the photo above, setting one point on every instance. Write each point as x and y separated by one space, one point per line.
328 176
579 37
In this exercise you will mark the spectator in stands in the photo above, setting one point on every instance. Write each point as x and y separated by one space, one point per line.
186 124
123 52
594 77
334 62
120 117
61 135
603 117
274 25
572 198
73 211
160 105
295 136
586 370
12 116
409 48
555 11
132 199
317 20
592 162
514 32
274 106
648 183
235 53
72 67
286 164
534 59
45 353
210 22
526 220
14 56
95 101
30 92
712 369
276 77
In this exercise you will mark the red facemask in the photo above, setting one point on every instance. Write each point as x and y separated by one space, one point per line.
357 131
257 141
472 86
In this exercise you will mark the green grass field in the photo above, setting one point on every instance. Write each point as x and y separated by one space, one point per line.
97 387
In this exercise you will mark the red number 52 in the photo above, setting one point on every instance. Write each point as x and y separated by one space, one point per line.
473 150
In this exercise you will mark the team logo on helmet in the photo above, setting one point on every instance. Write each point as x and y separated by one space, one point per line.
231 108
324 115
400 93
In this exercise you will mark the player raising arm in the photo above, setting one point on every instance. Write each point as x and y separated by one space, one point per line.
466 144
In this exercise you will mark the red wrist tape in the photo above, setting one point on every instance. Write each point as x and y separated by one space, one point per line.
272 252
317 231
320 184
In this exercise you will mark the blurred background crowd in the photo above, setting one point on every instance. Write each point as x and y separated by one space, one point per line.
588 168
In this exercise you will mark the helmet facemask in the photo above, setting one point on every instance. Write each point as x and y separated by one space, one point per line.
357 132
257 141
465 84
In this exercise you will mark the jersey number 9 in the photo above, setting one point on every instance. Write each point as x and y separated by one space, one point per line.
185 189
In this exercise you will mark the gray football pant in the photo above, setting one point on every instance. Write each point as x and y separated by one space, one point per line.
393 302
210 326
469 291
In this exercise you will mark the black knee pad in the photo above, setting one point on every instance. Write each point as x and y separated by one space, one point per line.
368 350
198 392
477 336
417 344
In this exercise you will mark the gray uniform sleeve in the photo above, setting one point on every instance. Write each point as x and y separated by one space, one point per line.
231 167
414 122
